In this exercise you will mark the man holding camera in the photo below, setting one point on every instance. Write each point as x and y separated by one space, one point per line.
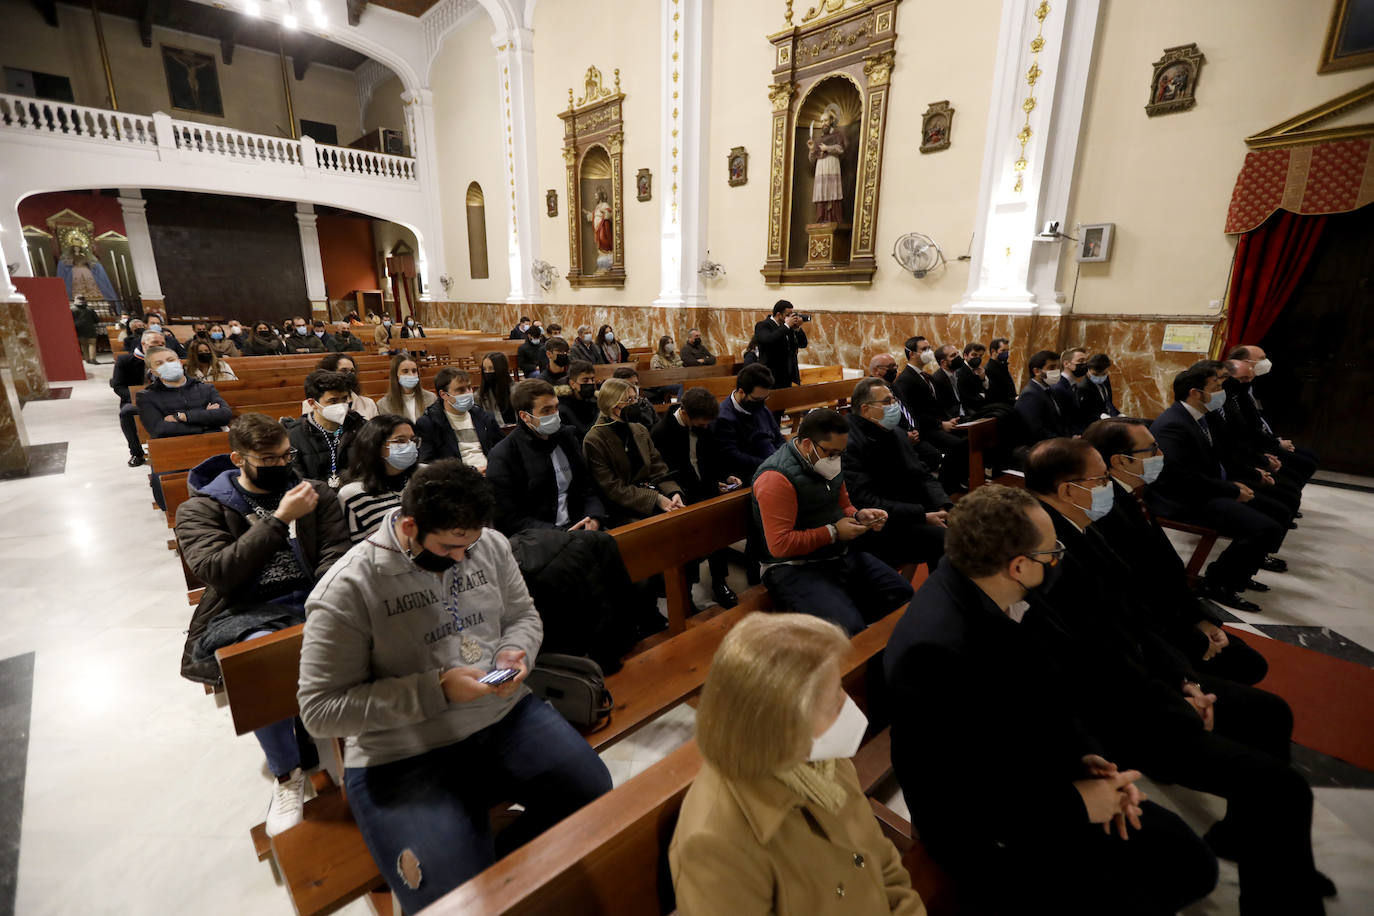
780 337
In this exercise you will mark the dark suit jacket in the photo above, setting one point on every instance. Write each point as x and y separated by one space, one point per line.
1065 393
976 690
1001 389
746 439
438 440
520 469
673 441
1244 417
578 415
778 346
1042 412
972 394
882 471
945 395
1094 401
915 389
1192 466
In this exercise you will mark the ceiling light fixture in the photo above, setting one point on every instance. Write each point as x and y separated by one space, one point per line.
252 9
289 20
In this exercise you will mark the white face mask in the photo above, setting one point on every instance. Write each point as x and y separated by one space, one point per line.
334 413
829 468
927 357
1262 367
1052 376
843 737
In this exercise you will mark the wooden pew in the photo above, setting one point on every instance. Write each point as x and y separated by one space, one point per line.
181 453
817 374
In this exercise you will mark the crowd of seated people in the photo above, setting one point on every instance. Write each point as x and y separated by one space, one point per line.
454 494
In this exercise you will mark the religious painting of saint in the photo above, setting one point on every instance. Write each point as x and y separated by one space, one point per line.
1173 84
738 165
192 81
644 185
935 125
603 232
551 201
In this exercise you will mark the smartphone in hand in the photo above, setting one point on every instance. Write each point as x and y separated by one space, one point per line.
499 676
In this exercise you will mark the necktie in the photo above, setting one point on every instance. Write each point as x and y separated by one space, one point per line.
906 415
1202 421
1264 424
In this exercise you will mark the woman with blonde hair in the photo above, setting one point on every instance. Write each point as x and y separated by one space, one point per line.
406 396
628 469
776 821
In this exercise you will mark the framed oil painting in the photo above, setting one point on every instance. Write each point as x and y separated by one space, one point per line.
192 81
644 185
1349 37
1173 86
551 202
935 126
738 164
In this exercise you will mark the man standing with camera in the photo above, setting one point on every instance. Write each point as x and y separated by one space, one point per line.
780 337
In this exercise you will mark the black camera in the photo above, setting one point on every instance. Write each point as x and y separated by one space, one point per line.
804 318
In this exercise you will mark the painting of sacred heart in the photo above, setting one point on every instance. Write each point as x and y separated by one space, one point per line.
192 81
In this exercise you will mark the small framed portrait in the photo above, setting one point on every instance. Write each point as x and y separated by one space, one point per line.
1095 241
1173 87
192 81
551 201
644 184
737 165
935 126
1349 36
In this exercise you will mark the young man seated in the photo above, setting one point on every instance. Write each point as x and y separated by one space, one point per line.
453 426
322 437
259 538
976 690
882 470
1038 403
399 636
577 402
803 522
175 405
558 365
538 472
747 431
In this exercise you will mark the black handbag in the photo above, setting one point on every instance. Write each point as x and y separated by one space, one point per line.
574 686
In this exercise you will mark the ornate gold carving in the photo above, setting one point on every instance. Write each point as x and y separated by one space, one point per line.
780 94
595 91
587 123
570 155
822 10
833 40
884 22
821 248
590 122
1041 12
879 69
1033 74
1303 128
614 142
865 208
788 16
777 185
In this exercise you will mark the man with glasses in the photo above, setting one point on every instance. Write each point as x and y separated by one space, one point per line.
803 522
1196 487
259 537
401 640
1153 711
883 470
977 690
747 431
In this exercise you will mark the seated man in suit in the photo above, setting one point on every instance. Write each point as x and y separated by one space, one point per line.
538 472
803 522
1134 460
978 689
747 431
1001 388
971 379
577 402
882 470
944 378
1298 458
1289 470
1074 362
1194 487
1094 392
1147 706
454 426
1037 403
1277 494
684 439
884 368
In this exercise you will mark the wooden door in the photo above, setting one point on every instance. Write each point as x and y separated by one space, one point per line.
1321 390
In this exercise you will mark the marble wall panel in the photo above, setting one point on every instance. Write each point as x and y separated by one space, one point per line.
14 442
853 338
20 351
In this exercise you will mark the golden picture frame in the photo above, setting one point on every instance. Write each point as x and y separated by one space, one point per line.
1349 37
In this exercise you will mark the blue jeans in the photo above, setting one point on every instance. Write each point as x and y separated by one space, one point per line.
434 805
278 740
853 590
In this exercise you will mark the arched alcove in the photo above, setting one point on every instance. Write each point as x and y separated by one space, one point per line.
477 232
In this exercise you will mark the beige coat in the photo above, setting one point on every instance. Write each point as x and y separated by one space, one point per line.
742 849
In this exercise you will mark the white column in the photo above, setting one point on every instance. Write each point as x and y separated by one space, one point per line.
14 251
424 146
515 75
1024 186
140 243
313 259
682 187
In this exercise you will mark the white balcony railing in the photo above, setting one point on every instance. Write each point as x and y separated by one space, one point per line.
189 141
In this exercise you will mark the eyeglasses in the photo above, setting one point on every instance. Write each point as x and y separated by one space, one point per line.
1055 554
394 442
264 461
1098 481
1151 449
827 453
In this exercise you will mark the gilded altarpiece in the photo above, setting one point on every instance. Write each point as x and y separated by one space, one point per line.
831 78
593 137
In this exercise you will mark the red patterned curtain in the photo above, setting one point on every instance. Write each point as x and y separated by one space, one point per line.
1318 178
1270 261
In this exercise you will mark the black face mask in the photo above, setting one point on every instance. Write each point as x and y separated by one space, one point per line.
753 406
890 374
272 478
263 332
1051 576
432 562
586 392
488 378
345 334
1004 356
204 357
1079 371
973 362
561 360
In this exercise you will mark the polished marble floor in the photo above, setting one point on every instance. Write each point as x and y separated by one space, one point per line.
137 796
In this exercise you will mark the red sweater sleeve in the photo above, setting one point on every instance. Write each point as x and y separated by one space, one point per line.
777 501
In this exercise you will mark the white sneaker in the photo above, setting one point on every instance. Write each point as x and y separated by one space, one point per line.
287 808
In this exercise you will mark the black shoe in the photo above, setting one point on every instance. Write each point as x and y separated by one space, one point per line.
1222 595
725 596
1292 526
1253 586
1274 565
1299 515
137 461
1323 885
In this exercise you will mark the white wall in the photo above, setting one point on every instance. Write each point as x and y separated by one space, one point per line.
467 122
1166 181
251 87
386 109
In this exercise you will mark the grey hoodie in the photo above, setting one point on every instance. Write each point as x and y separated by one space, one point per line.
378 635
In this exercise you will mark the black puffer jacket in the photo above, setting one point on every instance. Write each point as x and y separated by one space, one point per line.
312 451
192 400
